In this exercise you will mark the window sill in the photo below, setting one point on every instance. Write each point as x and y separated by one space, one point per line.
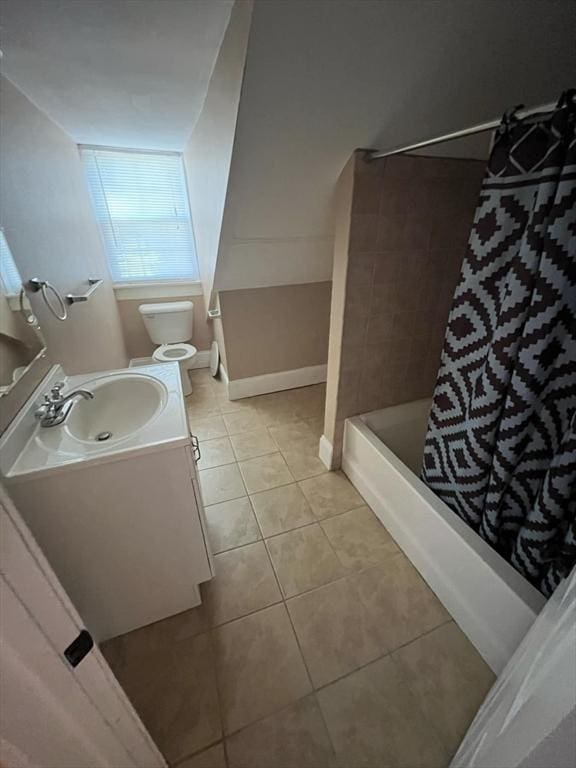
163 289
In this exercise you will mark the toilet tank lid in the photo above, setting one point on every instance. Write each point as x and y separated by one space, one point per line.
165 307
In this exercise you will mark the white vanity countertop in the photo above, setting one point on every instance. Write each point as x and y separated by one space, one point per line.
27 448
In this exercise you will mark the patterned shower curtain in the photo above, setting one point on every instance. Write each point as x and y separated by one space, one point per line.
501 442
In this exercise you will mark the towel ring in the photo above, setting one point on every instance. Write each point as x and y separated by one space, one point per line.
60 312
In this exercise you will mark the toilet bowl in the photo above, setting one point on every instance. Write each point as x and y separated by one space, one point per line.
170 324
184 355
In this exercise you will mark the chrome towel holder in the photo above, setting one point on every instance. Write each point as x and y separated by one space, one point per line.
47 290
50 293
93 282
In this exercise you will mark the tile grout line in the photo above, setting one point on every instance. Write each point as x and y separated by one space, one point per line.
290 530
382 656
284 601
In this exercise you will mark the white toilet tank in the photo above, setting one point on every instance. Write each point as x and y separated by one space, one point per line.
169 322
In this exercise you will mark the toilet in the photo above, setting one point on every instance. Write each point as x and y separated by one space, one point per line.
169 324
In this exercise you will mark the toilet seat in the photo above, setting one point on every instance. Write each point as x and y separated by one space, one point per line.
174 353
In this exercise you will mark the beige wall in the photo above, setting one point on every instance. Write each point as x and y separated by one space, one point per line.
208 154
333 425
138 343
280 328
52 233
410 218
323 78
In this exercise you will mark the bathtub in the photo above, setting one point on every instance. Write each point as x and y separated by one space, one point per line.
492 603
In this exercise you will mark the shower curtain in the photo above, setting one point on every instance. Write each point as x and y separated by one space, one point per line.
501 443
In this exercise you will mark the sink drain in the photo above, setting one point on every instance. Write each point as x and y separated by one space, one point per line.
103 436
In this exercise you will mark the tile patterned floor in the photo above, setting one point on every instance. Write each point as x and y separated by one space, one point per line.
318 644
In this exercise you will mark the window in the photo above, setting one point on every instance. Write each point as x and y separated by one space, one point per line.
141 204
9 274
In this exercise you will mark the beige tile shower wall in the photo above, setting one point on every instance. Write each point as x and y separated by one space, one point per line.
274 329
136 336
410 221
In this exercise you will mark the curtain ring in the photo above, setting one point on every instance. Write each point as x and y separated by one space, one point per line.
509 119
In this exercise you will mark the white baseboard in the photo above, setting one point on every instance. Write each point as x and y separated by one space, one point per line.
223 375
202 360
275 382
326 451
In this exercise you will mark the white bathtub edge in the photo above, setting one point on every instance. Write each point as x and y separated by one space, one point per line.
492 604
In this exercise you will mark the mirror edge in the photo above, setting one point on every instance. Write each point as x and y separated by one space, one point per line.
13 400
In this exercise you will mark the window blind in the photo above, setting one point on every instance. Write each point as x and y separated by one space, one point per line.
141 203
8 270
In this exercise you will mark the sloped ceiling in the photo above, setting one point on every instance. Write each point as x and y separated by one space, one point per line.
132 73
324 77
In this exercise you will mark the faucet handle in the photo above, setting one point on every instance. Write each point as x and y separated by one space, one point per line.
56 390
44 408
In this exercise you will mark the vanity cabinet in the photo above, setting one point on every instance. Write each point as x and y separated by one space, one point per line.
127 537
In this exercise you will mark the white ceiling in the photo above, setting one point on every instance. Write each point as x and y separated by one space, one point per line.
129 73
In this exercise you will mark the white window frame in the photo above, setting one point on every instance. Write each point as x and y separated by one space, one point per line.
125 290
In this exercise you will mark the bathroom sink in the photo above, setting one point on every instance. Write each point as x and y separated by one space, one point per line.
122 405
132 410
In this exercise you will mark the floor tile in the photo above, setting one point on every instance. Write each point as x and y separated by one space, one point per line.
359 538
208 427
202 410
374 721
259 666
330 494
231 406
153 638
214 757
238 422
293 436
316 425
449 678
265 472
335 631
281 509
275 414
303 559
304 462
400 600
231 524
295 737
203 400
244 583
256 442
215 453
200 376
221 484
174 692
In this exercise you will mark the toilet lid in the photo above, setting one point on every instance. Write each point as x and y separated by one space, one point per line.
214 358
169 353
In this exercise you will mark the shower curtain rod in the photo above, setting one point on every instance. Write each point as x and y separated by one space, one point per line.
489 126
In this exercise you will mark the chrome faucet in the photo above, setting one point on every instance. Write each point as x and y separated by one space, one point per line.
56 407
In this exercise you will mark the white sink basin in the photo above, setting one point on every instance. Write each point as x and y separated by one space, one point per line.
122 405
142 409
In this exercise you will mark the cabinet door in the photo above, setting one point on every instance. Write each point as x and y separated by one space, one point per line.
194 476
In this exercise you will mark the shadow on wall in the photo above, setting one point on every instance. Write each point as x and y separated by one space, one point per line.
275 329
409 222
